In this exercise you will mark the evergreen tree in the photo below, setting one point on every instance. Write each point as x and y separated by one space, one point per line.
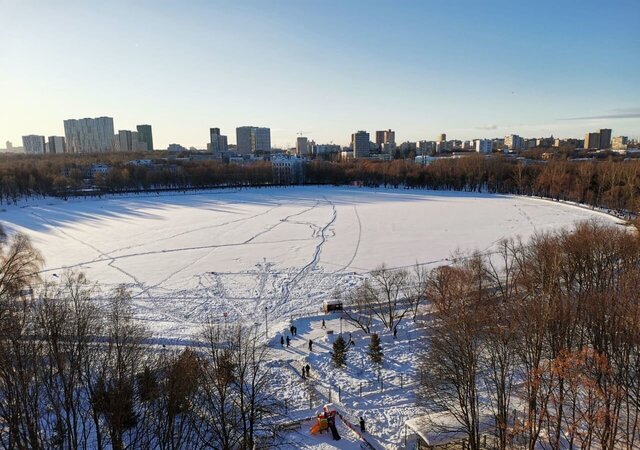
339 354
375 349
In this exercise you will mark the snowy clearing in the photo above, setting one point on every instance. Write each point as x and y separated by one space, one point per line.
231 253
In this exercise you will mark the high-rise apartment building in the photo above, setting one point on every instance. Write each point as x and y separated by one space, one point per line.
514 142
146 136
217 143
57 144
592 141
605 138
619 143
89 135
252 140
484 146
442 137
386 140
360 144
33 144
302 146
127 141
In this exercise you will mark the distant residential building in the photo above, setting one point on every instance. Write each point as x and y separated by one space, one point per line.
96 169
33 144
176 148
408 146
426 147
592 141
252 140
128 141
287 169
217 143
145 136
514 142
302 146
360 144
323 149
605 138
9 146
484 146
619 143
56 144
442 137
386 140
89 135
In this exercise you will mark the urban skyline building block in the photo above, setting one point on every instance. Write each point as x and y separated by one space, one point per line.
252 140
442 137
360 144
484 146
217 143
145 135
605 138
514 142
302 146
57 144
34 144
89 135
592 141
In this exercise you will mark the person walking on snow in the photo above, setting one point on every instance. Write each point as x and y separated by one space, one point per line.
308 369
288 341
395 331
310 345
281 341
324 326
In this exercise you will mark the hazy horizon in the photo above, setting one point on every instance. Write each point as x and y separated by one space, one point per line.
469 69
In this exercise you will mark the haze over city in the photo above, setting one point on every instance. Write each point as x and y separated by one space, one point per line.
470 69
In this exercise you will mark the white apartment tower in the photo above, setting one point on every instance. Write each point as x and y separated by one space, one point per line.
89 135
33 144
484 146
57 144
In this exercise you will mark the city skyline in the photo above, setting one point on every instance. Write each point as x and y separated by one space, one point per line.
469 70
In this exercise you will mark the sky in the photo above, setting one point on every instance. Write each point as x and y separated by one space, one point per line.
468 68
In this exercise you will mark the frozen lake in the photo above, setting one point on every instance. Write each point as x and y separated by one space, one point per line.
230 253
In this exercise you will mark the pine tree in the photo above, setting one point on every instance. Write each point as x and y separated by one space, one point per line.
339 354
375 349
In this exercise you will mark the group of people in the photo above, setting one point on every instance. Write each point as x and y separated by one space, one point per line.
306 371
287 340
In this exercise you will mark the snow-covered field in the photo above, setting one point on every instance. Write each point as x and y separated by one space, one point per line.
229 253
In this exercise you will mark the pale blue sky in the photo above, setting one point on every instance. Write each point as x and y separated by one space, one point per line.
468 68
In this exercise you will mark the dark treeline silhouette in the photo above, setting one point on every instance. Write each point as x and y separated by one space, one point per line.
539 344
611 184
78 372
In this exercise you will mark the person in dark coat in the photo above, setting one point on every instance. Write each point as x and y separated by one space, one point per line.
308 369
324 325
303 373
282 341
362 429
310 345
288 341
291 330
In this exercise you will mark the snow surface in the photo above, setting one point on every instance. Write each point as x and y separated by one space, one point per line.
231 253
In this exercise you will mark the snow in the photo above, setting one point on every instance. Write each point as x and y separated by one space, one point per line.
231 253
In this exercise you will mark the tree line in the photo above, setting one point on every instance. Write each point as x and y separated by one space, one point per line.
539 342
78 373
612 184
